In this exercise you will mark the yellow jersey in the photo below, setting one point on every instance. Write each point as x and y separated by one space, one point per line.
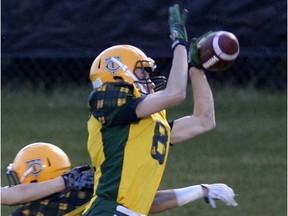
129 153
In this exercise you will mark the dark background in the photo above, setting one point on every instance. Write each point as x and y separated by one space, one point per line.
54 42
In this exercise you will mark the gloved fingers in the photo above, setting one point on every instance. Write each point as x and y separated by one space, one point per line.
88 175
224 193
184 16
212 202
193 56
85 180
220 191
76 174
174 14
76 171
228 199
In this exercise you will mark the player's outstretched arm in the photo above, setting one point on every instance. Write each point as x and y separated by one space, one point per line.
77 178
172 198
25 193
175 91
202 118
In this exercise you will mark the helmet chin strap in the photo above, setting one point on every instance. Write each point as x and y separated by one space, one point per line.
96 83
126 69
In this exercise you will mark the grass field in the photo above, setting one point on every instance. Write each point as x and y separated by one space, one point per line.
247 150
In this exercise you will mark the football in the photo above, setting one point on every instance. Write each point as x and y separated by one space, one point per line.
218 51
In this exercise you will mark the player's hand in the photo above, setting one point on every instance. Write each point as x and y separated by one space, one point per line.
177 27
193 54
221 192
79 178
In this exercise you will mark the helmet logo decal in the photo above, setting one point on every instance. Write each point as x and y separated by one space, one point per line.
112 66
35 165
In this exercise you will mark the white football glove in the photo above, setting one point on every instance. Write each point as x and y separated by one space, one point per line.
221 192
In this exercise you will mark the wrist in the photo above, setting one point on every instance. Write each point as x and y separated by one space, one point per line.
188 194
179 42
60 183
205 191
65 179
194 70
198 66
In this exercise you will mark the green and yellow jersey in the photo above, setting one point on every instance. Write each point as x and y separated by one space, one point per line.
73 203
129 153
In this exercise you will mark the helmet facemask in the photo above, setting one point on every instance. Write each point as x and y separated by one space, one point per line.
142 70
12 176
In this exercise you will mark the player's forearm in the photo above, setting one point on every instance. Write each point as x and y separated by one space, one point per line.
203 98
177 82
43 189
163 200
168 199
24 193
175 91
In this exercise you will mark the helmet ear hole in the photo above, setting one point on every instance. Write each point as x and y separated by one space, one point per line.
99 64
117 78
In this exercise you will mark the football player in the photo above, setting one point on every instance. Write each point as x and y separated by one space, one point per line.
129 134
41 172
39 178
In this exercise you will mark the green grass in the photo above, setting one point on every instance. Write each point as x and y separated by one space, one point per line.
247 150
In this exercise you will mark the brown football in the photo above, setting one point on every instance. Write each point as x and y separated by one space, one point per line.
218 51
